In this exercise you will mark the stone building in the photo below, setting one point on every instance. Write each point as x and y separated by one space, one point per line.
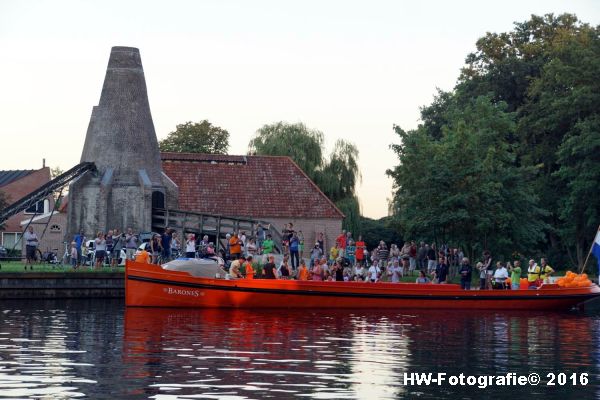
266 188
121 141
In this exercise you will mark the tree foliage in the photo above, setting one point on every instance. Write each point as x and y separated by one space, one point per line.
465 188
199 137
337 176
544 77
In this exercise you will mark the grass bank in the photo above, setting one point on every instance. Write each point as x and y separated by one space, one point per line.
17 266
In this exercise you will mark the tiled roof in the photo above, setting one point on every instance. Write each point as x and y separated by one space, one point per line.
246 186
7 177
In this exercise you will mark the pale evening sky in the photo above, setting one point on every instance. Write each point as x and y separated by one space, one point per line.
350 69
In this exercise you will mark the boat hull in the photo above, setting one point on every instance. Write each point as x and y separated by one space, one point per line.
151 286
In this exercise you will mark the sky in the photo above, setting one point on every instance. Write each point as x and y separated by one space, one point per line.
347 68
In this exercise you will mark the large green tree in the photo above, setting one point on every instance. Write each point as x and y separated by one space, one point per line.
464 187
337 175
546 73
196 137
547 70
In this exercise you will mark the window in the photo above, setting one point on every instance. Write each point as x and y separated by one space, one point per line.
10 238
41 207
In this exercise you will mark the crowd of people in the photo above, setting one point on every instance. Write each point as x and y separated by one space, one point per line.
348 259
107 249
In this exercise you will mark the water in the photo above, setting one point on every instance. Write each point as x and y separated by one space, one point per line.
98 349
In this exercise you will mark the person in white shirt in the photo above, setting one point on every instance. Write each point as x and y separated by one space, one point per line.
31 244
395 271
190 246
500 276
373 273
360 272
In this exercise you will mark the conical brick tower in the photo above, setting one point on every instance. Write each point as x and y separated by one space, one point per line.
121 141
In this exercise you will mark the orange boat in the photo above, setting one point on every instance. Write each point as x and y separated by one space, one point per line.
148 285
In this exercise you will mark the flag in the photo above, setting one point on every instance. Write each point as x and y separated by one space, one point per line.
596 248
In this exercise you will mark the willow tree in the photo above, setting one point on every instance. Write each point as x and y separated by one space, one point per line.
301 144
337 175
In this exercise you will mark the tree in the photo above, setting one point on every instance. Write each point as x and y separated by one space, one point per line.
337 178
199 137
374 230
55 172
465 188
546 74
301 144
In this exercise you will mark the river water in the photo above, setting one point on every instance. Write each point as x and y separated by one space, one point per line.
99 349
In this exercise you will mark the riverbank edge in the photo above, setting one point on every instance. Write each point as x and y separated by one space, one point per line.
62 285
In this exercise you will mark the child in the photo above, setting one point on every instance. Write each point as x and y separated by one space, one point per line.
74 255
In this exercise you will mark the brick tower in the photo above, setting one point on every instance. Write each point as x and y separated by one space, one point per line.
121 141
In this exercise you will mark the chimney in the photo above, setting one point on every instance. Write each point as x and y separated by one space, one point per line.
122 143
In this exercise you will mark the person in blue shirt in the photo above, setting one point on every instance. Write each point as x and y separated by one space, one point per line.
79 240
166 238
294 250
465 273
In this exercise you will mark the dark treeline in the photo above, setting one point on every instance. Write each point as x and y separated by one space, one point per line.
509 160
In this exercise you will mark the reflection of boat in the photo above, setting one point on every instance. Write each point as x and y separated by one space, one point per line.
151 285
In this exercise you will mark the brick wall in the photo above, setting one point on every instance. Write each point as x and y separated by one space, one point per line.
21 187
54 236
310 228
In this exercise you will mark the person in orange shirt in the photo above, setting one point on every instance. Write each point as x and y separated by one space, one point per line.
235 247
302 271
249 269
143 257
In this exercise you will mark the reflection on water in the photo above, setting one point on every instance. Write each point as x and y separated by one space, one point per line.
97 349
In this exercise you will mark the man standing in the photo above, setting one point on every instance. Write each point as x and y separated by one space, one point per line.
412 254
131 243
166 239
235 247
533 273
31 244
465 273
431 258
116 248
268 245
341 243
489 268
360 250
270 270
546 270
515 275
79 240
294 250
441 270
422 255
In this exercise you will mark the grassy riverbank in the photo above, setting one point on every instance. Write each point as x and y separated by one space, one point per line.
17 266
